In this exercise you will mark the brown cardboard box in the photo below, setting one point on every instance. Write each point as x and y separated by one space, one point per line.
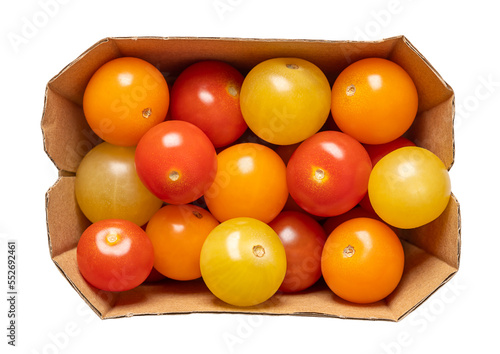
432 252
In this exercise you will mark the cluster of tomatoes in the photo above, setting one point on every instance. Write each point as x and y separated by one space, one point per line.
255 183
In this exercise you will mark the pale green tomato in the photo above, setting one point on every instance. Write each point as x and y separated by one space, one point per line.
107 186
409 187
243 261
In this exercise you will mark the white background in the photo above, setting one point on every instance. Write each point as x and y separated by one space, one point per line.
39 37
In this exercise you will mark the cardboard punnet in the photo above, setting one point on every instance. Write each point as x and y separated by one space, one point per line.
432 252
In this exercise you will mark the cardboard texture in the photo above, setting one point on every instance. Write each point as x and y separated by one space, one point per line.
432 252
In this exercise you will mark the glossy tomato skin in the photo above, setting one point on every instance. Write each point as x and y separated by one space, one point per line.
332 222
285 100
409 187
177 233
207 94
303 239
374 100
328 173
362 260
115 255
107 186
376 152
250 182
176 161
125 98
243 262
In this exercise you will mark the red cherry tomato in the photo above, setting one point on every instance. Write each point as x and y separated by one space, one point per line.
328 173
303 239
207 94
176 161
376 152
115 255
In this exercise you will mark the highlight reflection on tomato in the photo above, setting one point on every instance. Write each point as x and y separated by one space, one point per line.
115 255
243 262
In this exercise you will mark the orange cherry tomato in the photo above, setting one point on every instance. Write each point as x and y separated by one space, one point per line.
177 233
374 100
362 260
125 98
250 182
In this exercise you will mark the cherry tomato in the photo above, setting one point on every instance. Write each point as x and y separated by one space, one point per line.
243 262
107 186
176 161
374 100
285 100
114 255
376 152
409 187
177 233
362 260
303 239
250 181
328 173
125 98
207 94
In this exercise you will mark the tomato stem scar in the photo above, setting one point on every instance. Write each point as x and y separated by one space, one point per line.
349 251
146 112
112 238
258 251
173 175
233 91
197 214
292 66
319 174
351 89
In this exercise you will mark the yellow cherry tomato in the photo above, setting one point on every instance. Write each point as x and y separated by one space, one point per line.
243 262
285 100
409 187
